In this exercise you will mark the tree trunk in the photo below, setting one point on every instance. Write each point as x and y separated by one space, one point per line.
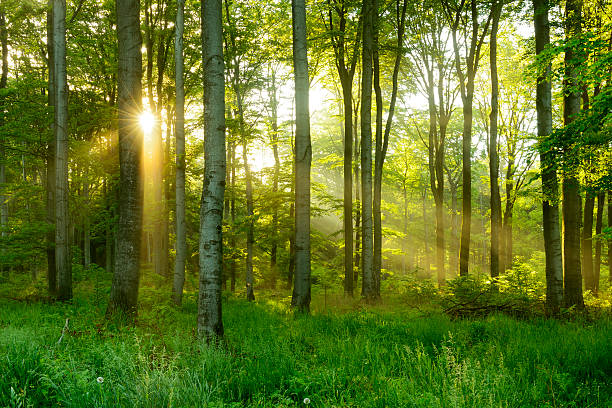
210 323
550 187
3 83
368 284
124 290
179 130
51 147
610 239
496 216
86 224
233 218
347 97
356 156
587 243
62 255
303 154
572 203
250 295
601 197
277 164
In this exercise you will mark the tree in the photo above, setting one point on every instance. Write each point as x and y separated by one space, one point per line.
550 187
346 72
382 142
303 155
50 179
62 254
572 202
368 285
179 130
454 13
496 216
210 323
124 290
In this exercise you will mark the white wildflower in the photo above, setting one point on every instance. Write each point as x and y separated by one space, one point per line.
306 400
100 380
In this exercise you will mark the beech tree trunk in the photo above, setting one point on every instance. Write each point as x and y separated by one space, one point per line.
210 323
550 186
572 202
496 216
303 155
124 290
250 239
587 243
179 130
62 245
3 83
601 198
51 147
368 284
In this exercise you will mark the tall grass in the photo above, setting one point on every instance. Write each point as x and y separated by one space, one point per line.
362 358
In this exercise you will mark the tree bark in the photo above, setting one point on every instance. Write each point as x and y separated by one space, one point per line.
179 130
368 284
572 203
496 216
62 255
3 84
587 243
274 125
210 323
124 290
601 198
303 154
550 186
51 147
610 239
250 236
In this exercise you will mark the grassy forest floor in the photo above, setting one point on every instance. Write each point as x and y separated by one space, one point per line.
344 355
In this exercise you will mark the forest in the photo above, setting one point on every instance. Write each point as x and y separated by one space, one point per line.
291 203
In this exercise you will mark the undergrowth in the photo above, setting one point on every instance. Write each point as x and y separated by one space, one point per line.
387 356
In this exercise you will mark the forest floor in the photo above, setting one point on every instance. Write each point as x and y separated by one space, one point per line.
344 355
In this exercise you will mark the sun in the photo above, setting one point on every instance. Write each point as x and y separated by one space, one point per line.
147 121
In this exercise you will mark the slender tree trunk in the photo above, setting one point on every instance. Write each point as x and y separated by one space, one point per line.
356 156
250 295
550 187
62 255
86 224
233 218
277 164
496 216
426 253
572 203
210 323
303 154
3 83
601 198
179 129
51 147
124 290
347 96
368 288
587 243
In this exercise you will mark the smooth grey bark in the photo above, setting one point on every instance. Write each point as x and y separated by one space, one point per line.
303 156
250 238
496 213
62 255
466 86
210 323
601 198
572 202
179 130
587 243
610 239
124 289
382 141
3 82
368 285
550 186
50 207
346 73
273 103
86 224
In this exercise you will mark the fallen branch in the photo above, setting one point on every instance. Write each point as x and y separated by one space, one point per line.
64 330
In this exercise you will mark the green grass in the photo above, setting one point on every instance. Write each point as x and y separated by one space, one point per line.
359 358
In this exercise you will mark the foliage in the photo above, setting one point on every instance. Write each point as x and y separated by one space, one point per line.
359 359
